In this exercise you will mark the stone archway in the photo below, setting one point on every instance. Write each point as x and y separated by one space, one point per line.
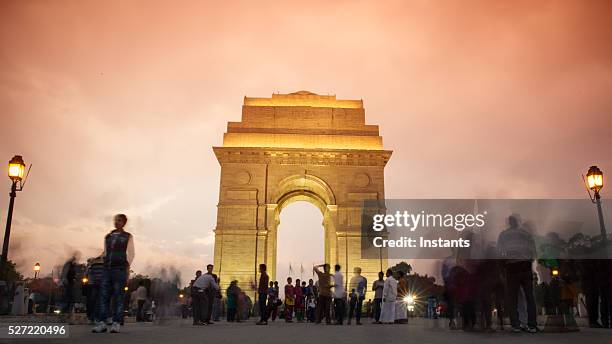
290 147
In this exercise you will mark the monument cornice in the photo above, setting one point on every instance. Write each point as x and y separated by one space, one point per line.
301 156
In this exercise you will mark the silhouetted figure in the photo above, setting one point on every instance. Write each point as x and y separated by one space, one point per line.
324 293
262 294
516 247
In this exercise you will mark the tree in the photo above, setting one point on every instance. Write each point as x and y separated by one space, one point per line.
402 266
10 273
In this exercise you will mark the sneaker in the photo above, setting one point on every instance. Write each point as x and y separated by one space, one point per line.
261 323
532 330
99 328
115 328
516 330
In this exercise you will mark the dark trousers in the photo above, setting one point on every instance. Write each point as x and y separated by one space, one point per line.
197 306
113 281
377 309
323 304
93 299
355 308
139 312
209 299
517 280
263 311
231 313
339 309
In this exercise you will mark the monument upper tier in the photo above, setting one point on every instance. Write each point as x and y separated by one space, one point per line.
303 120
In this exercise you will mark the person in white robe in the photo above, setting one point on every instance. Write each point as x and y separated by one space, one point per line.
20 300
387 314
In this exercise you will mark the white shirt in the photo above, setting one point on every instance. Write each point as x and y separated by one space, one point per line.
338 285
390 289
206 281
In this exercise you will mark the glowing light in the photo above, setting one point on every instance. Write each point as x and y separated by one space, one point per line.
126 288
85 280
555 272
37 267
181 296
16 168
595 178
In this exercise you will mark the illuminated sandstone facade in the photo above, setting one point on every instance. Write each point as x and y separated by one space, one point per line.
291 147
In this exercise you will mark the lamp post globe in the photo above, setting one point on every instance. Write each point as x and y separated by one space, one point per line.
16 168
595 179
36 270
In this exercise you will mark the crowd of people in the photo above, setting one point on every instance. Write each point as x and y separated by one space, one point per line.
479 282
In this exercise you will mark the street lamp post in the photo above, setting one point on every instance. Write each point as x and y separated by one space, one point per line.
36 270
16 173
594 181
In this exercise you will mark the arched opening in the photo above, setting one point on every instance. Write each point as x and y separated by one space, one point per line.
300 241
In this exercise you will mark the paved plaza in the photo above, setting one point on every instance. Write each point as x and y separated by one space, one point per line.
417 331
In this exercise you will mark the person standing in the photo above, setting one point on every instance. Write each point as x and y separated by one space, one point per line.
289 300
358 283
272 301
516 247
387 314
311 303
339 295
262 294
118 256
324 293
232 301
206 286
299 301
141 298
197 300
210 295
377 288
94 274
401 310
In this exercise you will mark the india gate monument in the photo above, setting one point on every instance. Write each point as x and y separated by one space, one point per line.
296 147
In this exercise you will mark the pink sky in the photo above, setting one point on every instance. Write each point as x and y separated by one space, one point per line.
118 103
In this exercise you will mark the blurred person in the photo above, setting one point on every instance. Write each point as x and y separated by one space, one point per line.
273 301
339 295
94 273
377 288
359 283
389 297
67 279
231 294
449 289
401 308
140 294
516 247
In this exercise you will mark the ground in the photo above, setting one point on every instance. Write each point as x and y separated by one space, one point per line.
418 331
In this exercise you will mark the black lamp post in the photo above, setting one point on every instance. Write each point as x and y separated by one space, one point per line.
16 173
594 181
